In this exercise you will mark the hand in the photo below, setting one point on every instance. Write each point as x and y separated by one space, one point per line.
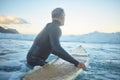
81 65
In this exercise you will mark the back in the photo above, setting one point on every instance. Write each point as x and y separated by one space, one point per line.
42 41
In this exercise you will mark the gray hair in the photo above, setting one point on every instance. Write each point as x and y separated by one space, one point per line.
57 12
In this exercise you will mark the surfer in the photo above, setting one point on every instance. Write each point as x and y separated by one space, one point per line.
47 42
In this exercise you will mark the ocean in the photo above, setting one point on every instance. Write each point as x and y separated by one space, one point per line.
104 59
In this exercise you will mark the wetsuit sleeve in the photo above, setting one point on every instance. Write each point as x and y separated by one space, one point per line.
54 36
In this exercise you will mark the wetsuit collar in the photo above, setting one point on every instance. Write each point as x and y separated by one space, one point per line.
56 22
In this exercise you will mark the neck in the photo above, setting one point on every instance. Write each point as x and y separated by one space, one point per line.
57 22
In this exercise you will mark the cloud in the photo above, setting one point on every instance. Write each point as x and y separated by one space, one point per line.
5 19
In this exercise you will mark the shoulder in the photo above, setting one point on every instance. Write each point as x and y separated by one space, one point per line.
52 27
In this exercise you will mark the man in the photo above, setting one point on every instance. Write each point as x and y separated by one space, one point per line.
47 42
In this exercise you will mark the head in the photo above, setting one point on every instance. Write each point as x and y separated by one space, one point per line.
59 15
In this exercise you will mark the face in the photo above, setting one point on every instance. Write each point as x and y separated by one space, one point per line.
62 19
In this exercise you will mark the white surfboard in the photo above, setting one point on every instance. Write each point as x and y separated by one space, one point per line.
59 69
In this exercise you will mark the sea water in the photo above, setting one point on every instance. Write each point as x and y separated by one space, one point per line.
104 59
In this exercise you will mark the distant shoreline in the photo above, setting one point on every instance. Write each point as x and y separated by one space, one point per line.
9 30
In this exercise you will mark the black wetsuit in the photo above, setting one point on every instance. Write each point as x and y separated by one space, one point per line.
47 42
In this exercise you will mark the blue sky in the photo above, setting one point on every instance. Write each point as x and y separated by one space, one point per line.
82 16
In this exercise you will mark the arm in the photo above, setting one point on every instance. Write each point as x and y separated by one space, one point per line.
54 36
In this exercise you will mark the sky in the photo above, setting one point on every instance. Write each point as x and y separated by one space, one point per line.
81 16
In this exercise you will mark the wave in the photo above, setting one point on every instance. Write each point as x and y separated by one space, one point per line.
9 66
17 36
